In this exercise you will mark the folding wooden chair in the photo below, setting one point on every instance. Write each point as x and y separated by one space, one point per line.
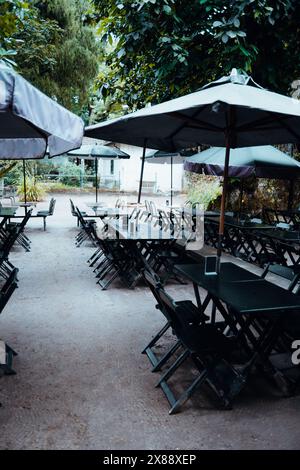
210 351
6 291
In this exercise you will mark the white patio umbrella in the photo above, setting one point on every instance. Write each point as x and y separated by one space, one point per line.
31 123
231 112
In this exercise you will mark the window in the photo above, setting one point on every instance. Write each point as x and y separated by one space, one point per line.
112 167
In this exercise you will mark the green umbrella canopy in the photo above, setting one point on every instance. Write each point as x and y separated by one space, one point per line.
157 156
91 152
262 161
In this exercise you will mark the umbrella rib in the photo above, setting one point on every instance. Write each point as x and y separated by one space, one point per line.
196 122
287 127
181 125
254 125
249 126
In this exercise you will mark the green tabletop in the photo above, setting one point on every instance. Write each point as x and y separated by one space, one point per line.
241 224
7 211
243 291
283 235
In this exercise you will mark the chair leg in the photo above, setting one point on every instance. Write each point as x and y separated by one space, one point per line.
44 223
166 356
10 354
167 374
188 393
156 337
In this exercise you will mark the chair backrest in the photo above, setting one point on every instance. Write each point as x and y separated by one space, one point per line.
134 214
52 206
8 288
80 217
24 221
152 280
147 205
73 210
153 208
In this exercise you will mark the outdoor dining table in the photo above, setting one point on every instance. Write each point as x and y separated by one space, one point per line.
7 213
94 205
251 307
112 212
238 236
285 243
26 205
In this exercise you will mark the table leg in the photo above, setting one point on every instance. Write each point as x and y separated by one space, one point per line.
197 295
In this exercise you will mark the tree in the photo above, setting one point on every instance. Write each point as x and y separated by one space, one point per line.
12 15
58 52
166 48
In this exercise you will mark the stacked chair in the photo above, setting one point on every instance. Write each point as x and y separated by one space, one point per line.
14 231
10 233
113 259
7 287
85 232
75 213
124 258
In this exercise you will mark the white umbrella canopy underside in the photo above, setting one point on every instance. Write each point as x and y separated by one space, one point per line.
32 123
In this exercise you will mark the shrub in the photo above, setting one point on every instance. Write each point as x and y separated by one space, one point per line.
34 190
203 190
70 174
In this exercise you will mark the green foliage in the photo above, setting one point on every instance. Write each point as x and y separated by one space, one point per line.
160 49
203 190
13 14
34 190
58 187
69 174
57 51
6 168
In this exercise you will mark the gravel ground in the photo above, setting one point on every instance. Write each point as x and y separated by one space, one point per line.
81 381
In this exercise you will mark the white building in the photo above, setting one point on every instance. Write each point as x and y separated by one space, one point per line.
125 173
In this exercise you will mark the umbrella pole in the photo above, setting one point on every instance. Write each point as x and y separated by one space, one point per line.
96 162
24 182
142 172
223 202
171 181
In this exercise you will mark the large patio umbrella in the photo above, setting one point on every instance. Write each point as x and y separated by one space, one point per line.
231 112
32 123
94 152
264 161
161 158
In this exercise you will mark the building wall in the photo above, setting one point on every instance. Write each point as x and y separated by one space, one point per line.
157 175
